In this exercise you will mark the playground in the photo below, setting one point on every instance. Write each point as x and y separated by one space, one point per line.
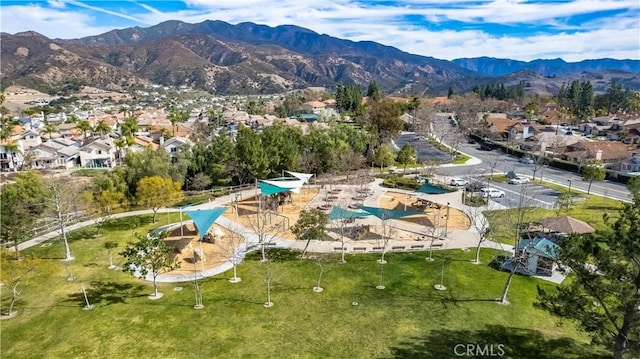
198 256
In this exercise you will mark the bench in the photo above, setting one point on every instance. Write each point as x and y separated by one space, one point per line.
417 247
397 249
270 244
437 245
359 249
377 249
338 249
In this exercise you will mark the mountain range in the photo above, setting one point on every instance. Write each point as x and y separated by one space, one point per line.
250 58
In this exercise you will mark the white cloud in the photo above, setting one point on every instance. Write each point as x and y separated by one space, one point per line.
616 36
54 23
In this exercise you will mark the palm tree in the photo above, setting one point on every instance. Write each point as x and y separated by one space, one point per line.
120 144
50 129
175 116
5 129
102 128
84 126
129 126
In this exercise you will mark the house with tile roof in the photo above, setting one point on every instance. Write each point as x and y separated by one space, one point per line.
141 142
608 152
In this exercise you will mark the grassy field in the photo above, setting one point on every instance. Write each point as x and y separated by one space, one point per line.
408 319
586 207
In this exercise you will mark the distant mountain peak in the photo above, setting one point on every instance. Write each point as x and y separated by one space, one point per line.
254 58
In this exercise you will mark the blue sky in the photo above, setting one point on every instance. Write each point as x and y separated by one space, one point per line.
518 29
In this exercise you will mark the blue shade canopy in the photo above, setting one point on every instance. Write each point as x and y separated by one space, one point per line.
431 189
341 213
204 218
268 189
384 213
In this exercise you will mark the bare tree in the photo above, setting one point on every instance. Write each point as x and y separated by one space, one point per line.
321 261
341 223
481 225
455 139
515 219
423 118
431 231
232 249
267 225
196 283
63 194
268 280
387 232
517 261
431 168
539 164
466 108
494 161
110 246
16 275
345 161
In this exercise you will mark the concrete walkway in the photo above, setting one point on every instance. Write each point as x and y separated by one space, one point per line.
453 239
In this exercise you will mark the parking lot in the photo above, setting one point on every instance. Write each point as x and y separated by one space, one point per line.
532 195
526 195
424 150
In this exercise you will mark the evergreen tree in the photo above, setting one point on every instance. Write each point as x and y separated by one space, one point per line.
602 294
373 91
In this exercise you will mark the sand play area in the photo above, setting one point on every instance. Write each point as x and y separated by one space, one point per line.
217 247
276 224
435 214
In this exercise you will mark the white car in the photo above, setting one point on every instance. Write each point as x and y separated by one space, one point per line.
491 193
526 160
519 180
458 182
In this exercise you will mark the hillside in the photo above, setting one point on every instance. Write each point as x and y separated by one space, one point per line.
249 58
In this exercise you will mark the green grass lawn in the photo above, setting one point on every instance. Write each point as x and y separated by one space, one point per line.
461 158
586 207
408 319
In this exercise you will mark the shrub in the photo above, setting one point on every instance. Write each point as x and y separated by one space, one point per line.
397 181
276 254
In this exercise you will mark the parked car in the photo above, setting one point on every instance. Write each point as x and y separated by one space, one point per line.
519 180
526 160
491 193
458 182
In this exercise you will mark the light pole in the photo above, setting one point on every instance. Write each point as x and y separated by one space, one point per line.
446 221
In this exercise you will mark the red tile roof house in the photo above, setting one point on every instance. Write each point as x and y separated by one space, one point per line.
610 153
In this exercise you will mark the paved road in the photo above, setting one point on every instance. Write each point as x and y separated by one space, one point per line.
499 162
503 163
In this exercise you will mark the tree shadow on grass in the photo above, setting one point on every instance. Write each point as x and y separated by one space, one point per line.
108 293
493 341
